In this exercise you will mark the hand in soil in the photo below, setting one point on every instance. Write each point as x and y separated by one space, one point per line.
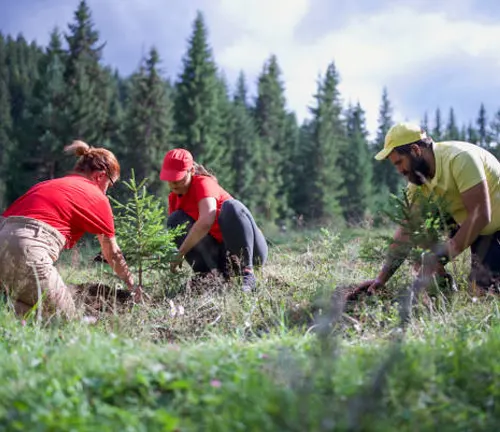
176 263
370 287
137 293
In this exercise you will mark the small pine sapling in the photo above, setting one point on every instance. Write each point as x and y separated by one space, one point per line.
140 225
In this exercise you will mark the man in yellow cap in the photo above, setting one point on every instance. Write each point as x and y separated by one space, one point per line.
467 177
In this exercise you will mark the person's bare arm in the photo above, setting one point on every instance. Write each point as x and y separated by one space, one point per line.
477 203
395 257
207 208
114 256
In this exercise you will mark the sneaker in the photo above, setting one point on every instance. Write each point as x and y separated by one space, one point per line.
249 282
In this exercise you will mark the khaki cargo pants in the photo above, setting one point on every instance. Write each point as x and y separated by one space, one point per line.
28 251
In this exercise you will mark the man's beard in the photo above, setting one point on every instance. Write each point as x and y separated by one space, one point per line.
419 171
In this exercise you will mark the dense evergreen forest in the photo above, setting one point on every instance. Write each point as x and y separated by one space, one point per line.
316 172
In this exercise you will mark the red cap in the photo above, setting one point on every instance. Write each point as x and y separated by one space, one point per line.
175 165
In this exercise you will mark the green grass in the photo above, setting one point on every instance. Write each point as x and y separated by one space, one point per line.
255 363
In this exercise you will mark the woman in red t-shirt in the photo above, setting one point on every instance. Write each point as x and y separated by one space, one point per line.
217 224
52 216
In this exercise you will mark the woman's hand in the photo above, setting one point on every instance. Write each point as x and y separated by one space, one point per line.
176 262
137 293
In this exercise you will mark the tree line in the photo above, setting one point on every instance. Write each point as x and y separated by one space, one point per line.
319 171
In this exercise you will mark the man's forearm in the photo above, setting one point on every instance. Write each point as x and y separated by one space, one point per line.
466 235
398 251
395 258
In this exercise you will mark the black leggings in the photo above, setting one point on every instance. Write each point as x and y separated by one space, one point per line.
241 237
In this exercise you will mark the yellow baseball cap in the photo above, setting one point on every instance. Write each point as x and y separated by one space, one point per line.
399 135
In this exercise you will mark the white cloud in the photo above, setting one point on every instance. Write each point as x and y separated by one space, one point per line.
369 52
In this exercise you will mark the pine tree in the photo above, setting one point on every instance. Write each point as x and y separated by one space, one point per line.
115 118
197 101
452 133
148 124
385 177
22 60
356 167
463 133
326 147
437 131
243 142
303 173
39 151
472 134
495 128
270 117
222 169
425 122
85 80
482 128
5 119
291 163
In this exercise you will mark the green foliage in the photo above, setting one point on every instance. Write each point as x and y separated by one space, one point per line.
243 144
385 177
198 120
282 170
148 123
356 168
325 148
437 132
38 155
452 133
270 119
483 131
424 219
86 104
140 228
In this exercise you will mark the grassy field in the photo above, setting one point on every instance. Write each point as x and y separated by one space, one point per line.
215 359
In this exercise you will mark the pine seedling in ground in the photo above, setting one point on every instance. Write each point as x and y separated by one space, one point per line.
426 222
141 229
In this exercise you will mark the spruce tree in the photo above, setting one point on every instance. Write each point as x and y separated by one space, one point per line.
495 129
22 61
291 163
452 133
39 151
385 177
148 124
115 118
197 101
482 128
222 169
326 147
356 167
243 142
425 122
437 131
472 134
463 133
85 80
5 119
270 117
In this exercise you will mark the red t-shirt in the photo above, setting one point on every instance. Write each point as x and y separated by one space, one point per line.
72 204
201 187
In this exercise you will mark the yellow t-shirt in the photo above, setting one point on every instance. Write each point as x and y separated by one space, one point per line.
460 166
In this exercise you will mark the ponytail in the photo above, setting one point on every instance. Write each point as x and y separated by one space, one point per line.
202 171
91 159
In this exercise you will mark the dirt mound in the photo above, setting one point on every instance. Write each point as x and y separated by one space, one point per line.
98 298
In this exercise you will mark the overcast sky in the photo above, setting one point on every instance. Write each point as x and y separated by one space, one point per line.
428 53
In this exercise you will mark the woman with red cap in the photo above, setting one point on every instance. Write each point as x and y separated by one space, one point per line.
52 216
217 224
